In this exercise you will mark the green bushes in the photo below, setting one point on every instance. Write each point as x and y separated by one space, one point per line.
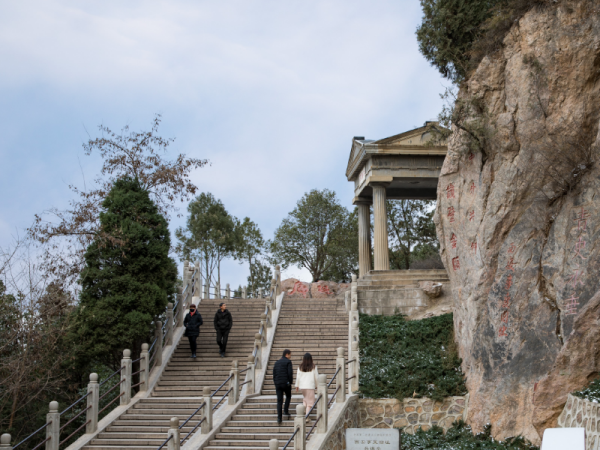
401 358
460 437
590 393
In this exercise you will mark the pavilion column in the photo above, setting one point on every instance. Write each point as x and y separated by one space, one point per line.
364 238
381 257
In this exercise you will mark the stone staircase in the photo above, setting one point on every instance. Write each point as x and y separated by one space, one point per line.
396 291
318 326
177 394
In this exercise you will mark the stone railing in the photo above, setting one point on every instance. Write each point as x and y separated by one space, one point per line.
581 413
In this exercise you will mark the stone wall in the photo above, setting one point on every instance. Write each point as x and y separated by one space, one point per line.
294 288
580 413
411 413
337 439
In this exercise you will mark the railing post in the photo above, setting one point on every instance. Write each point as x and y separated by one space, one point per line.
234 383
93 401
53 428
180 314
355 368
340 381
218 290
206 290
175 442
274 444
126 377
263 322
198 289
227 291
251 375
5 442
145 368
169 337
244 292
159 343
258 346
300 424
260 295
278 276
206 426
269 314
273 293
322 405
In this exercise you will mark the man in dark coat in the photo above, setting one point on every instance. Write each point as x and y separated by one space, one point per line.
223 324
192 323
283 377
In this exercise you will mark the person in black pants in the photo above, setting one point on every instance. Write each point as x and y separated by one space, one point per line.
192 323
283 377
223 324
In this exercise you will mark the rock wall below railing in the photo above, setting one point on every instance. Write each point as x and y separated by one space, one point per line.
411 414
349 419
580 413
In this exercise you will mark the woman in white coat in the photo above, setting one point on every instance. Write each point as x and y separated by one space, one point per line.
306 381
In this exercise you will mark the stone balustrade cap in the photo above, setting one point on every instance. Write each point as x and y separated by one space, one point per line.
300 410
145 347
126 354
93 377
206 391
174 423
257 336
5 439
340 352
53 406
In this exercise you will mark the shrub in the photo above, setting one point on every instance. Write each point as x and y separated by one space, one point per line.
460 437
590 393
401 358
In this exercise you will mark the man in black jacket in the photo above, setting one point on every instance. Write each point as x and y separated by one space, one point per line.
283 377
223 324
192 323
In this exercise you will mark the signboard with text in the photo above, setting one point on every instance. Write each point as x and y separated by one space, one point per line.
372 439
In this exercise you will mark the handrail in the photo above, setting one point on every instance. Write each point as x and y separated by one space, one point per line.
193 429
353 376
69 407
314 425
352 360
222 398
333 396
192 415
313 406
113 374
43 442
165 443
80 413
333 377
112 401
32 434
71 435
291 439
219 388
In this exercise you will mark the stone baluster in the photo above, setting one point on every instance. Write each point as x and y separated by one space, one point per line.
269 314
53 428
300 424
234 383
355 368
5 442
198 280
207 425
227 291
175 441
273 444
244 292
169 337
250 375
145 368
258 346
322 405
340 381
93 403
278 278
180 308
206 291
126 377
159 343
218 290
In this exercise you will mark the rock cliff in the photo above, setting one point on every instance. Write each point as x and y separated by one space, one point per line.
518 217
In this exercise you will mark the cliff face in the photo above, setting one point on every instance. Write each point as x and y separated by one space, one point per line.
518 217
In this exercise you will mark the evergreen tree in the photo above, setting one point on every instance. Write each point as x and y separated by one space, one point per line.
127 279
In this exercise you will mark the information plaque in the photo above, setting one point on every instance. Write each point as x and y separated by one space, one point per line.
372 439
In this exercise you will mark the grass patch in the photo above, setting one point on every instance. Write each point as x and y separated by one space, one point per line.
461 437
399 358
590 393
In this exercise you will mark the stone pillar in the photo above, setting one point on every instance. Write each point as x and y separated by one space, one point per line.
273 444
174 442
159 343
206 291
322 405
218 290
300 424
274 293
169 337
364 237
145 368
227 291
244 292
5 442
251 375
269 315
93 402
53 429
263 323
206 426
198 280
260 293
126 377
258 347
234 383
180 309
340 381
278 278
381 256
355 369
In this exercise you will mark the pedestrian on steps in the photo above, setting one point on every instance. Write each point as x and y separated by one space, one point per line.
306 381
223 324
283 377
192 323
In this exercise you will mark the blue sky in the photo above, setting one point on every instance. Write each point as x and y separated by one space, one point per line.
271 92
